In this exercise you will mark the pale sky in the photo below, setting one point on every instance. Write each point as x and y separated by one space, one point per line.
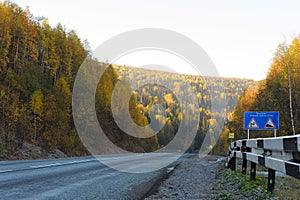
239 36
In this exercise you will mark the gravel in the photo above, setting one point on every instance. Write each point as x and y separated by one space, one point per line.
193 178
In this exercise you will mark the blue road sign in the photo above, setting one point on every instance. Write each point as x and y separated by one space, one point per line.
261 120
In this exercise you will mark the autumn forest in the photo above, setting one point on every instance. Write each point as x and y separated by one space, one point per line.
38 67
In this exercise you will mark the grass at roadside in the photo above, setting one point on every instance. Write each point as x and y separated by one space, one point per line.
235 185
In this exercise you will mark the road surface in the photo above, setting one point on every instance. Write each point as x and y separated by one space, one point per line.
78 178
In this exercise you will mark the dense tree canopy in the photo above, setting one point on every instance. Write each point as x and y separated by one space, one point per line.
37 68
211 92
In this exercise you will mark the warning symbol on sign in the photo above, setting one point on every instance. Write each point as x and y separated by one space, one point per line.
270 124
253 124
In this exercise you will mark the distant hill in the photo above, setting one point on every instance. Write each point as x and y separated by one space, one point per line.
211 92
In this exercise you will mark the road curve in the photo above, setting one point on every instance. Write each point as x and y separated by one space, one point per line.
78 178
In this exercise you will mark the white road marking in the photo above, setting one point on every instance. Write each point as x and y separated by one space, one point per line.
3 171
59 164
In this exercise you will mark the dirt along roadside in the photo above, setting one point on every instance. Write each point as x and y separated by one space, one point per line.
193 178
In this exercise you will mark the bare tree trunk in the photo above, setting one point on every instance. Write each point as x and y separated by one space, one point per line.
34 124
291 104
16 55
286 64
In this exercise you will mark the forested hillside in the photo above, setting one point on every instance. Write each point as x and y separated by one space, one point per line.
37 68
38 65
211 92
280 91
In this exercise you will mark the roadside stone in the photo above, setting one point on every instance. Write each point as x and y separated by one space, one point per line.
31 152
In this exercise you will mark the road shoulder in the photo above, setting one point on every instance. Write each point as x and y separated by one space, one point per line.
193 178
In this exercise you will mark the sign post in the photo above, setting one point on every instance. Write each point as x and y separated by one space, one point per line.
261 121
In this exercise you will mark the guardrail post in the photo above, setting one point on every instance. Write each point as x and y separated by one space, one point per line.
253 171
244 166
271 180
233 163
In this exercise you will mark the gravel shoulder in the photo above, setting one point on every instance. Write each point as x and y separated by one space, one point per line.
208 178
193 178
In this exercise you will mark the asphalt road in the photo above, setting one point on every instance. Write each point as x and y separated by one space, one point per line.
80 178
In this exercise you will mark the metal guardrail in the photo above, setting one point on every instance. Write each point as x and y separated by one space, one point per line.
277 154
